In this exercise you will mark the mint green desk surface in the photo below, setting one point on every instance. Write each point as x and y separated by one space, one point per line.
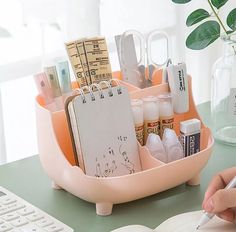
27 179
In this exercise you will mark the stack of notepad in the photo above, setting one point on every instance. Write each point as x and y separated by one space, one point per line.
90 60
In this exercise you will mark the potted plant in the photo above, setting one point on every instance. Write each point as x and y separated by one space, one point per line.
211 25
223 97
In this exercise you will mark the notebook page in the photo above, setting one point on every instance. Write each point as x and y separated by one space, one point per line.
133 228
188 222
107 136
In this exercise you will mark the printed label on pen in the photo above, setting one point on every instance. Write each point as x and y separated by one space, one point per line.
98 60
232 103
76 63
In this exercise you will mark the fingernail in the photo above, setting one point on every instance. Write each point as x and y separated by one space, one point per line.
209 206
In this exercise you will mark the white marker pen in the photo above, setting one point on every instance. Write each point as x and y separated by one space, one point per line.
178 82
206 217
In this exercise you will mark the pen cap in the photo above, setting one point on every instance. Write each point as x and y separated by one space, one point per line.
64 76
156 148
165 105
170 137
172 145
178 82
190 126
150 108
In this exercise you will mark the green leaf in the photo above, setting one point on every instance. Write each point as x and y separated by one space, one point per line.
181 1
231 20
218 3
203 35
197 16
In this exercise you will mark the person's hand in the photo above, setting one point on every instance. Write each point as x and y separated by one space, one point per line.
218 200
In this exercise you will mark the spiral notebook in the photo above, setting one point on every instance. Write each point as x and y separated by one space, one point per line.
103 132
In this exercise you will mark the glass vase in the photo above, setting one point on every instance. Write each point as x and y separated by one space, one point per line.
223 97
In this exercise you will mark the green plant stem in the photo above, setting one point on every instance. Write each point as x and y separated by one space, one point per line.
217 16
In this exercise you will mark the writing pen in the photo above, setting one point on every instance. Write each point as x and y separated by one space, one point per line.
206 217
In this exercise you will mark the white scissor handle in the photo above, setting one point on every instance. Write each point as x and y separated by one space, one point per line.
150 37
136 34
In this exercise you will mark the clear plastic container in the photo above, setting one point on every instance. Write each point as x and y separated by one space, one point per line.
223 97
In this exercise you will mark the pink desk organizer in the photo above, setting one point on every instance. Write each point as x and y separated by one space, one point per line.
55 145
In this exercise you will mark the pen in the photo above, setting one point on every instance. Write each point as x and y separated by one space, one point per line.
206 217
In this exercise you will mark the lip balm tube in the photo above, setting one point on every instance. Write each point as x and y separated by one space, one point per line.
55 86
137 108
190 136
45 91
53 80
64 77
43 87
151 116
166 112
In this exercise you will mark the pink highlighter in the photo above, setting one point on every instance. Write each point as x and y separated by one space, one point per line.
43 87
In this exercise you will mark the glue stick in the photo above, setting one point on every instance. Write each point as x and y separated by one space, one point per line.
151 116
137 108
166 112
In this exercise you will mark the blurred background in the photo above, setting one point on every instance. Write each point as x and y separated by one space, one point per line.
34 31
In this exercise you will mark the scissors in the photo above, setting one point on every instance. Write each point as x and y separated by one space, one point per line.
136 53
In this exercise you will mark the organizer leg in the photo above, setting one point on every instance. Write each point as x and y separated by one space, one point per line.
104 208
55 186
195 180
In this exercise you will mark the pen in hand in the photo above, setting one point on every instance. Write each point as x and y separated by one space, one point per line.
206 217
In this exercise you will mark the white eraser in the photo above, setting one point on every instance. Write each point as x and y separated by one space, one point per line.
190 126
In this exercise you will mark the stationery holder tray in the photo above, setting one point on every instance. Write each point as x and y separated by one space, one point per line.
56 155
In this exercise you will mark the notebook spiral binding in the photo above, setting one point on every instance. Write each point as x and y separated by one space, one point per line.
99 87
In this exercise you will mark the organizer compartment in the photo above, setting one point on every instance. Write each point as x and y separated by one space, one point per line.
56 155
